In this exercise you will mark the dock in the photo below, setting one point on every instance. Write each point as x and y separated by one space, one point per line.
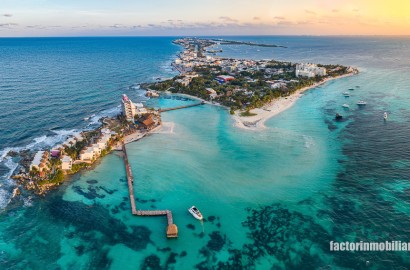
181 107
172 229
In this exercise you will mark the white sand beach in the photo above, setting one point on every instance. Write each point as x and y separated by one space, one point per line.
257 122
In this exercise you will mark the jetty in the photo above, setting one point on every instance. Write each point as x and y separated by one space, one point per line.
172 229
181 107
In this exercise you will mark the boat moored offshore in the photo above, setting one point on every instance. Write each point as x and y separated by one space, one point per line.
361 103
195 212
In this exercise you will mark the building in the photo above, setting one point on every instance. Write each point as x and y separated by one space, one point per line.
128 108
148 123
224 78
66 163
309 70
87 154
211 92
40 162
56 151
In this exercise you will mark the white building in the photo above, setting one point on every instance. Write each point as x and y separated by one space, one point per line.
40 161
128 108
211 92
66 163
309 70
87 154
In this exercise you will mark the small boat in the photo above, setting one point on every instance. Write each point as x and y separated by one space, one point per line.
195 212
345 105
351 89
346 94
361 103
338 116
385 116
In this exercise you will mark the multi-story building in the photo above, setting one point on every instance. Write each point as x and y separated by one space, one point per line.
128 108
66 163
309 70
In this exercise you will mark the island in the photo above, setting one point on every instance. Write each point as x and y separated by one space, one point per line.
251 90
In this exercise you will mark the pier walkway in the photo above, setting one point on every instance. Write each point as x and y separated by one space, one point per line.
181 107
172 229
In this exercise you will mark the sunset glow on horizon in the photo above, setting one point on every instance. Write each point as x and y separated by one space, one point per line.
228 17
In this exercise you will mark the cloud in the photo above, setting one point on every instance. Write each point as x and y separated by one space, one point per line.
116 26
7 15
227 19
355 10
310 12
279 18
8 25
335 10
256 18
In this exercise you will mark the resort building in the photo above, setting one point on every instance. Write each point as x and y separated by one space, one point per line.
66 163
128 108
309 70
56 150
40 162
87 154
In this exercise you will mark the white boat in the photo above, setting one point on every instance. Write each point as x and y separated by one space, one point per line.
345 105
361 102
385 115
195 212
346 94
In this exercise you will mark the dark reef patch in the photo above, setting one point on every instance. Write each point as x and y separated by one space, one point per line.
91 194
108 191
183 254
88 218
92 181
152 262
190 226
217 241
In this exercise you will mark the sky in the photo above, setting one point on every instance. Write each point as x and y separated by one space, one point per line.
205 17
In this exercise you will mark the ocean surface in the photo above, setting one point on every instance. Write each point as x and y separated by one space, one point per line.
272 199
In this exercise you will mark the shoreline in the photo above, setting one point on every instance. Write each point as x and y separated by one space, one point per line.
277 106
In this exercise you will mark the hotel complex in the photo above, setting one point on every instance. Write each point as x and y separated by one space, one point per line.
128 108
309 70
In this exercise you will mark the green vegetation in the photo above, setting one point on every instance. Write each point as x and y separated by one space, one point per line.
77 167
247 113
56 178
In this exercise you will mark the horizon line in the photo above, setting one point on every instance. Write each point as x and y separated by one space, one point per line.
227 35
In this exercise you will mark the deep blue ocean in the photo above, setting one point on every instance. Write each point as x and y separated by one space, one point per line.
272 199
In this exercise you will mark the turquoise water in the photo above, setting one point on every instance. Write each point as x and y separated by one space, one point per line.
271 198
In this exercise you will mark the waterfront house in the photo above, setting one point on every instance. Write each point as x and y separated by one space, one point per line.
40 162
86 154
66 163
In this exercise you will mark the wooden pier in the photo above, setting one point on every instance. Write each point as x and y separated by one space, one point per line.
172 229
181 107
